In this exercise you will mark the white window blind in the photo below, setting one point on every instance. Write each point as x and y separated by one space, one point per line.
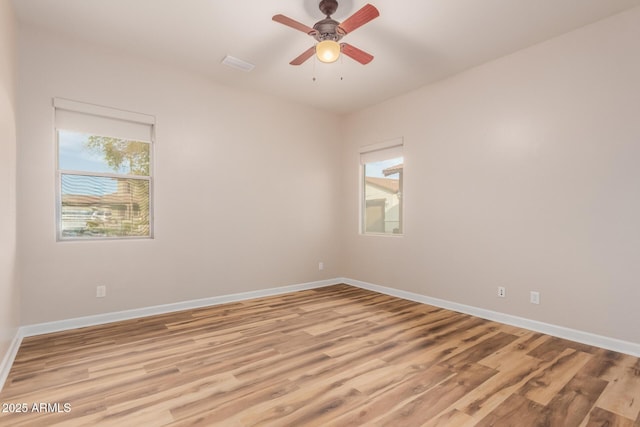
380 152
99 120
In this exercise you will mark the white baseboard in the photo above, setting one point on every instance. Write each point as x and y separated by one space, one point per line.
614 344
9 357
99 319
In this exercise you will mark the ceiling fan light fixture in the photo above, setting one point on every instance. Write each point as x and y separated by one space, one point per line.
328 51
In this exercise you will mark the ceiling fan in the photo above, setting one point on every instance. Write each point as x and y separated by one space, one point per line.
328 33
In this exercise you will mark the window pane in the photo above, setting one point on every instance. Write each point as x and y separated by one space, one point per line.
104 207
93 153
383 196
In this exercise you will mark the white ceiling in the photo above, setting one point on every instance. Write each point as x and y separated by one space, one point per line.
414 42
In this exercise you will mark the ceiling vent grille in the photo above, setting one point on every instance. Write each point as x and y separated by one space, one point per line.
239 64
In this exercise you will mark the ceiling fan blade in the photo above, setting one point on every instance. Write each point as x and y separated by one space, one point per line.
358 19
285 20
304 56
354 53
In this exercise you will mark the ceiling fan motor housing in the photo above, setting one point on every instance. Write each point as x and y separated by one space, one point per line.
327 30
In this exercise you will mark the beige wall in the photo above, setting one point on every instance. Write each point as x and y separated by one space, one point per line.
261 185
9 293
520 173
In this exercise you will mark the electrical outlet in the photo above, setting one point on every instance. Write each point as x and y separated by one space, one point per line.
534 297
502 291
321 265
101 291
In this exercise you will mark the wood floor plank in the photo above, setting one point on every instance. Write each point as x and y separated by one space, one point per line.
574 402
489 395
516 411
429 349
544 387
437 400
482 349
514 352
621 395
452 418
603 364
333 356
553 346
600 417
393 395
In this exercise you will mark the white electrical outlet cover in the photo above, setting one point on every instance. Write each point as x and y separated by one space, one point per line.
535 297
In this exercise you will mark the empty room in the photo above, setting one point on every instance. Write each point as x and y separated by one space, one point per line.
320 213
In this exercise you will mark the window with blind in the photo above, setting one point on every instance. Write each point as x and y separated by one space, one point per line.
104 174
382 198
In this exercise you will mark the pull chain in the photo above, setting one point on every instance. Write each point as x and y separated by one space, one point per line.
314 79
314 68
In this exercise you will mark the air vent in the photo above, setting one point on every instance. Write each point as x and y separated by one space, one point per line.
239 64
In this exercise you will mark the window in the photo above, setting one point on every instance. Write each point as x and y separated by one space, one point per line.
382 174
103 172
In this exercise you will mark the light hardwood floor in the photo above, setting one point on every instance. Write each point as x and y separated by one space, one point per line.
334 356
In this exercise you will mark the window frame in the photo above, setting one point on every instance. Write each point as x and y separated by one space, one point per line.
110 114
389 146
